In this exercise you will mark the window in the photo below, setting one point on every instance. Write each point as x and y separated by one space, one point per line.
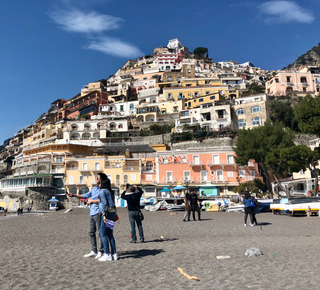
149 177
277 80
121 108
169 96
256 121
241 173
117 178
169 175
256 109
230 159
85 166
241 111
131 106
201 100
212 97
196 94
117 164
230 173
253 174
125 179
196 159
186 175
97 166
81 179
303 79
203 175
59 159
219 175
288 79
165 160
149 166
180 95
220 114
215 159
169 78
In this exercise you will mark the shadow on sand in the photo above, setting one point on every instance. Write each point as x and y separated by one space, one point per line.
140 253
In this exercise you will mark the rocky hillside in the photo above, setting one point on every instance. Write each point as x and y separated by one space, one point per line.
311 58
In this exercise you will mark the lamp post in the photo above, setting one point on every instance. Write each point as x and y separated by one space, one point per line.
186 182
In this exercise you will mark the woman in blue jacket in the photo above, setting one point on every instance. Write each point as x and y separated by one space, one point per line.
108 210
250 209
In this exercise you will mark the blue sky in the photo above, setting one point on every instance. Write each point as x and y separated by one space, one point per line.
50 49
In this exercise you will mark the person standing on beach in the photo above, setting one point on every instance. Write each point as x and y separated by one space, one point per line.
195 205
249 209
95 218
187 207
133 200
108 209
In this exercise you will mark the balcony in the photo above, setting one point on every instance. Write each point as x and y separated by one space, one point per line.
196 163
84 169
148 180
170 180
131 168
72 168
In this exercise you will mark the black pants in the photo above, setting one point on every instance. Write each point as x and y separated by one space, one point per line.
195 208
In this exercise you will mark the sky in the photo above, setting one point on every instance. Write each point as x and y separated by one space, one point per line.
50 49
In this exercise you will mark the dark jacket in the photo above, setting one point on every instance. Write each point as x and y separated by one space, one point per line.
133 199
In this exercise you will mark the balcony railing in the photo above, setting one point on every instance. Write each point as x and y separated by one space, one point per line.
72 168
196 163
170 180
131 168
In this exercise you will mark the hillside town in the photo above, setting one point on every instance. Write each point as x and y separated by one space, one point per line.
124 126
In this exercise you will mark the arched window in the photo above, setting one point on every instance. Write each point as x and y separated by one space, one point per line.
73 190
240 111
149 166
256 121
241 123
87 127
83 190
256 109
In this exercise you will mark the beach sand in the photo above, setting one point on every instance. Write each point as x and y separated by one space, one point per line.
46 251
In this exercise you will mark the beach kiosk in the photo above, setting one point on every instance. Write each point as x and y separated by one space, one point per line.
53 203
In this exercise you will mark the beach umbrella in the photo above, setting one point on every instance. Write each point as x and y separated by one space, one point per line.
165 189
179 187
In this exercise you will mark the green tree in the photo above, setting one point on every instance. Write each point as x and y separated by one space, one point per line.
253 186
160 129
253 89
283 111
264 144
201 52
307 113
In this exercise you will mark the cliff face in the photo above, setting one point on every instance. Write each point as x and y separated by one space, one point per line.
311 58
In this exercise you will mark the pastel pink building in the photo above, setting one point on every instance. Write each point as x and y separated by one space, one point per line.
211 171
306 81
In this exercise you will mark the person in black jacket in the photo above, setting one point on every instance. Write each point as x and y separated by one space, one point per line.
133 201
195 205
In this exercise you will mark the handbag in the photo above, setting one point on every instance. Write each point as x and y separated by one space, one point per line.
251 203
109 224
141 215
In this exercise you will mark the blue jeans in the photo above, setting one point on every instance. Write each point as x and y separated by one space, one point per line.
107 235
134 218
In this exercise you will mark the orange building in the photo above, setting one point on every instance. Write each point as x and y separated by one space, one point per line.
209 171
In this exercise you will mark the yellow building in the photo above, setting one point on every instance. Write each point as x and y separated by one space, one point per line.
82 171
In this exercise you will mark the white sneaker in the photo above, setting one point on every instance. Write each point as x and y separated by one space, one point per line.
105 258
99 255
245 225
252 225
115 257
91 254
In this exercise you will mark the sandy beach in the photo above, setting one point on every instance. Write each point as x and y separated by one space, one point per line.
46 251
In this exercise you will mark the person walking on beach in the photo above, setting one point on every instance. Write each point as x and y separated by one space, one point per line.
187 207
195 205
133 200
95 218
249 209
108 210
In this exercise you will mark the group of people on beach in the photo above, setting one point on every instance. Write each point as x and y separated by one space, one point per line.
103 215
192 203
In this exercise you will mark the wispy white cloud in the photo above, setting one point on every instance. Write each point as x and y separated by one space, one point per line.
285 12
115 47
92 23
79 21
